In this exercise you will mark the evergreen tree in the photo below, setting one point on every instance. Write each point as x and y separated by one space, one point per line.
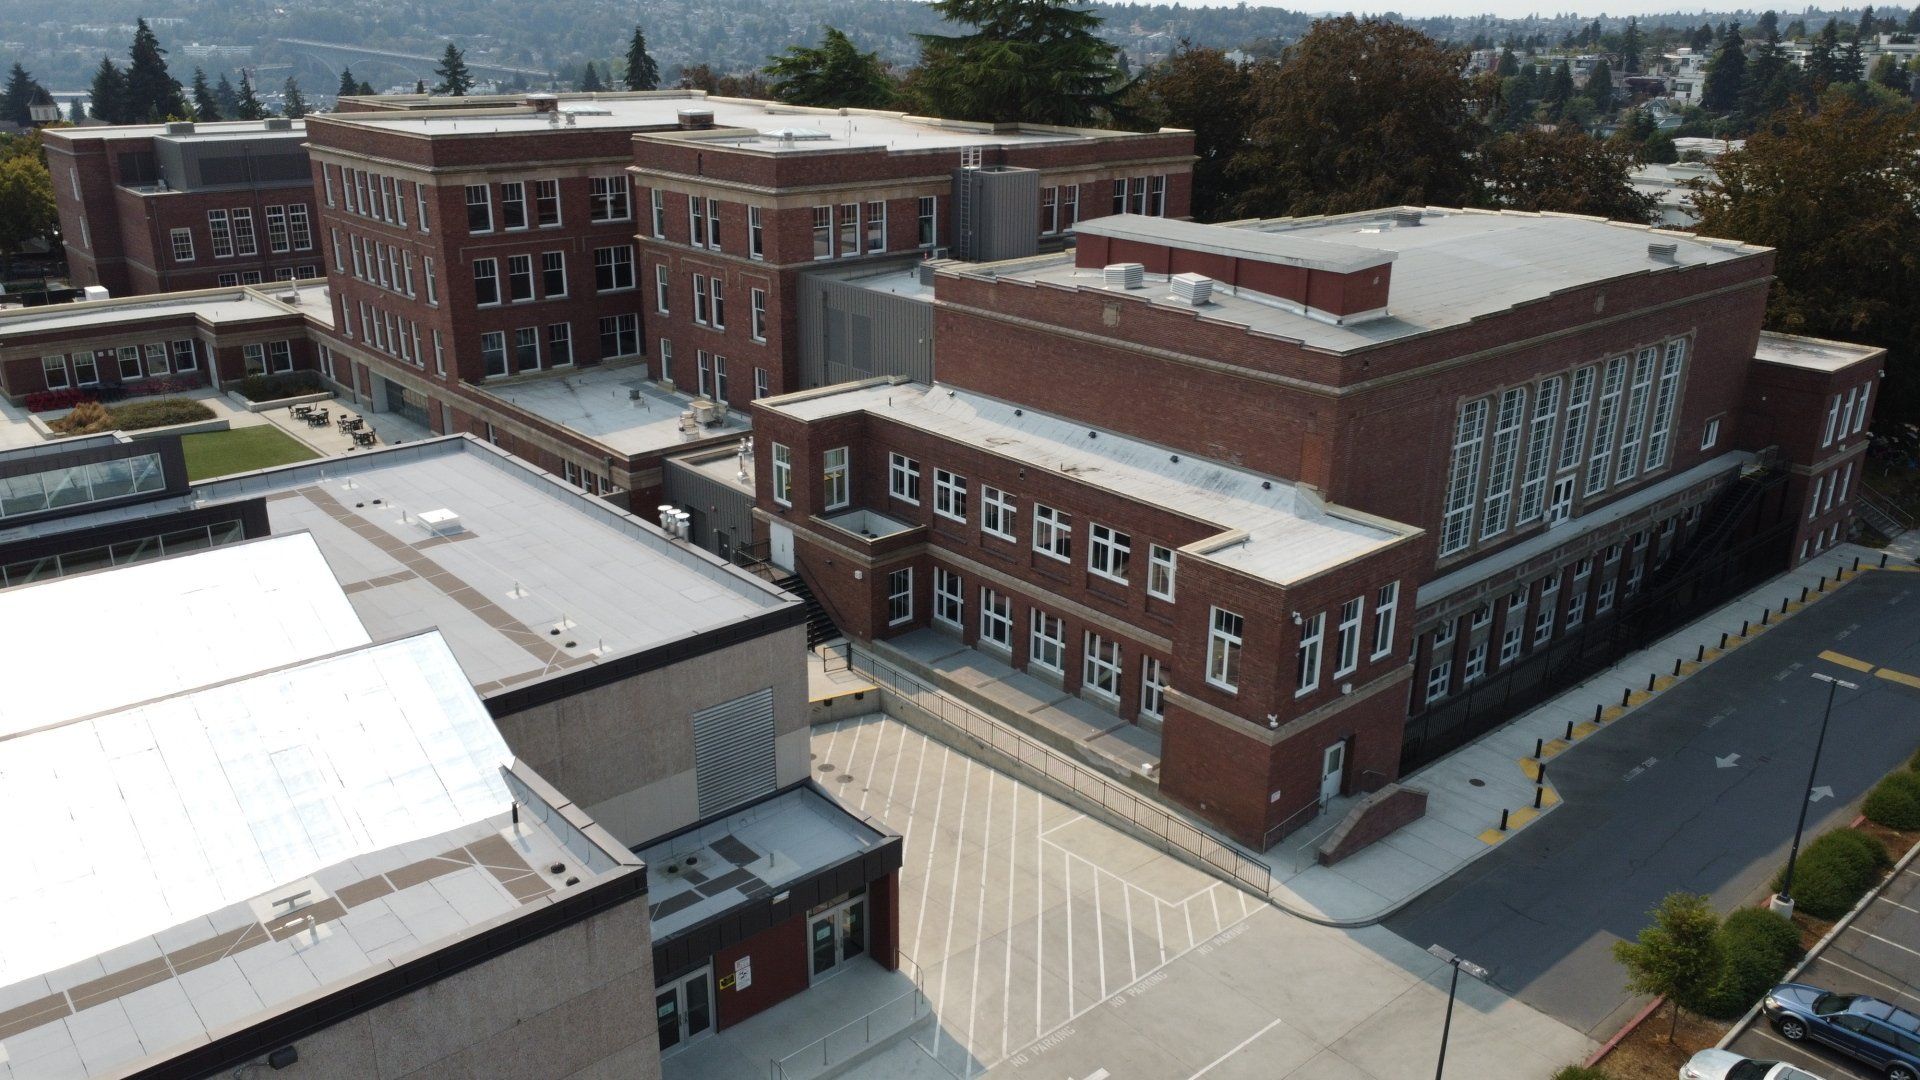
1600 86
226 97
1865 28
642 72
349 86
109 93
1852 65
1887 72
419 86
590 82
1509 65
1771 77
152 94
365 89
248 106
837 75
17 96
454 77
77 111
1913 20
1631 47
205 108
1034 61
1823 57
1726 76
295 105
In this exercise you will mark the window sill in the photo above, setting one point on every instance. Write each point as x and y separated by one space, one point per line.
1224 688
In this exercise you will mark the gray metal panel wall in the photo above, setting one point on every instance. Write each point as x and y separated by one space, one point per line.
1002 213
716 507
847 333
272 160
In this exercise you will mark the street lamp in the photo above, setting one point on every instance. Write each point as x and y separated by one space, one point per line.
1447 957
1782 901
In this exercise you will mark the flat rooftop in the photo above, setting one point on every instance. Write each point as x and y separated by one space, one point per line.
212 306
1814 354
812 130
1456 266
535 580
618 407
215 130
1289 533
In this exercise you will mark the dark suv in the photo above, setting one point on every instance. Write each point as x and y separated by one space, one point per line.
1883 1036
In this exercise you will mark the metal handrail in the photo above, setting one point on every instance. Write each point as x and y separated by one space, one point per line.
824 1044
1313 846
1884 504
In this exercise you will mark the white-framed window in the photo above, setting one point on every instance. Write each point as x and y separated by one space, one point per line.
1069 207
221 230
185 356
277 241
486 282
1543 617
666 358
949 598
1710 435
1049 211
1510 642
182 241
254 359
280 353
519 278
876 227
696 222
996 512
326 181
420 204
1579 401
433 286
546 203
608 199
718 286
1660 421
823 232
703 369
1226 633
1813 506
407 282
1628 459
928 221
300 226
1846 412
243 238
713 224
1052 532
757 300
1047 642
1306 672
1161 564
900 596
1386 608
526 348
493 352
560 344
949 495
903 478
756 234
1482 615
1500 462
1463 478
700 299
661 287
1604 602
782 474
479 208
849 222
553 274
836 478
613 268
1153 688
86 369
439 354
1846 479
1439 680
1533 476
1108 552
719 378
659 200
1476 665
1346 637
1833 488
996 618
1600 456
54 369
1100 669
1860 414
762 383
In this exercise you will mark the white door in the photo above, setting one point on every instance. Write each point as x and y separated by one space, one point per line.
1333 769
780 546
1562 506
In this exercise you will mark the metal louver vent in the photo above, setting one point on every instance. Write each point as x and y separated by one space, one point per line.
733 756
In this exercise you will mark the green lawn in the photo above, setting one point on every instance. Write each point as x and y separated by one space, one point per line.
221 453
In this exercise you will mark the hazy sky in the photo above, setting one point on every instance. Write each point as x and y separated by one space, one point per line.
1521 8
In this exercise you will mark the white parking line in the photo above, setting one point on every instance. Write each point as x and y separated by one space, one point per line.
1006 990
1133 964
1824 959
1884 941
926 884
1070 821
980 918
1244 1043
1767 1034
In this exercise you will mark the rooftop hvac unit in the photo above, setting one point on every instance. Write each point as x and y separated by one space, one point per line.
180 127
1406 219
695 119
1125 275
1663 251
1194 289
709 413
279 123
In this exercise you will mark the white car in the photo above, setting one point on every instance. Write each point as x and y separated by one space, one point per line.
1726 1065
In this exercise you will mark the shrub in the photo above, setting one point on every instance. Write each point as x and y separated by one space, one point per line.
1580 1072
1914 761
1834 872
1757 947
274 387
1895 801
159 412
49 400
87 418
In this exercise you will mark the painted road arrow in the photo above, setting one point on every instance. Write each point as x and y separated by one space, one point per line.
1821 792
1727 762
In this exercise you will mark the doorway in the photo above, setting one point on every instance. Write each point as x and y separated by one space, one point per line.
683 1008
835 935
780 546
1333 771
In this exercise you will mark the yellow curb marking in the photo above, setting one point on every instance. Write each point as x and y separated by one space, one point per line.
1584 729
1663 682
1555 747
1832 657
1900 677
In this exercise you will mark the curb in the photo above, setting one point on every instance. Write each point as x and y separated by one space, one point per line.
1620 1036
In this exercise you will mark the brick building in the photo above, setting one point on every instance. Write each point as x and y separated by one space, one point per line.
151 208
1515 425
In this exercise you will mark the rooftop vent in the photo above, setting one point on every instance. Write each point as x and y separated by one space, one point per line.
695 119
797 134
1406 219
543 103
180 127
1665 251
1194 289
279 123
1125 275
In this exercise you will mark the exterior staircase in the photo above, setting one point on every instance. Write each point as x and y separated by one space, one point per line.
820 626
1722 523
1880 514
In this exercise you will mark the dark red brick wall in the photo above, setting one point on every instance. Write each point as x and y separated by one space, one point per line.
1399 807
779 959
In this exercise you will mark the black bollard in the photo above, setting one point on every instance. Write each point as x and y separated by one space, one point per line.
1596 709
1537 794
1650 679
1676 668
1539 747
1803 594
1596 716
1626 696
1700 655
1743 628
1723 641
1503 821
1883 562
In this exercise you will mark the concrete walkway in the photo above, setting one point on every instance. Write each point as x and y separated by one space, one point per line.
816 1030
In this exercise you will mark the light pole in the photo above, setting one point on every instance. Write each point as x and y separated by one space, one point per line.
1453 983
1782 901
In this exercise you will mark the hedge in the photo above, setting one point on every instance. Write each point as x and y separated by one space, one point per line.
91 418
1580 1072
1757 947
1895 801
1834 872
257 388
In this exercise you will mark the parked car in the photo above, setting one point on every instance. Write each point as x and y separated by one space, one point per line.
1884 1036
1727 1065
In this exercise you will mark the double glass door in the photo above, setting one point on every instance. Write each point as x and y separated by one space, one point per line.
683 1008
836 935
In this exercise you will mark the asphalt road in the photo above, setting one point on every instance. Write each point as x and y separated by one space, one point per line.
1656 803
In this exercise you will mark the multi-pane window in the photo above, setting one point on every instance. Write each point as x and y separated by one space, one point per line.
1157 196
1160 567
553 274
1346 637
1386 605
757 300
1439 680
1108 552
949 495
243 240
903 478
519 277
661 287
1579 400
996 512
182 240
1456 524
1603 603
1069 207
1225 635
546 203
1052 532
1049 211
1543 616
1660 428
659 214
222 233
876 227
1506 441
1628 460
900 596
713 224
1101 667
1826 439
835 481
86 371
1153 688
1600 459
1577 606
479 208
700 299
762 383
526 348
560 343
513 205
486 281
277 241
1306 673
996 618
756 234
1047 642
493 351
849 221
1533 477
928 221
1476 665
619 335
613 268
782 474
1510 640
607 200
949 599
253 359
300 227
420 204
1859 415
719 287
823 232
696 222
54 368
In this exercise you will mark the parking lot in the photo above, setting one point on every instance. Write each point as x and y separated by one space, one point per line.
1051 945
1877 954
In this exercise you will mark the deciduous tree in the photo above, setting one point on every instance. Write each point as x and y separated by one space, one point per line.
1565 170
836 75
1206 93
1677 956
26 199
1034 61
